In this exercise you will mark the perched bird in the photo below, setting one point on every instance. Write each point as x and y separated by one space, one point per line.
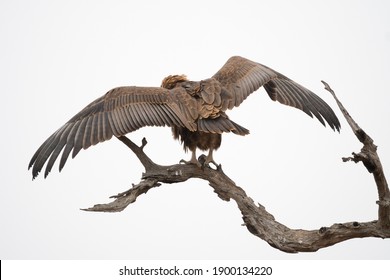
195 110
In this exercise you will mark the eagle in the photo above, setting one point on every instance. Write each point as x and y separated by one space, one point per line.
195 111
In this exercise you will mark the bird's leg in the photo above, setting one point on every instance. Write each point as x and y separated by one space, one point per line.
193 159
209 159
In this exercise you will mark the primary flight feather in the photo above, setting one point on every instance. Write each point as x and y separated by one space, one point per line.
195 110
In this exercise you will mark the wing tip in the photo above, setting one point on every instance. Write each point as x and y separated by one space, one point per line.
333 123
336 127
35 175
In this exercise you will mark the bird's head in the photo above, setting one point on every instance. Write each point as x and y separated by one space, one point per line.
171 81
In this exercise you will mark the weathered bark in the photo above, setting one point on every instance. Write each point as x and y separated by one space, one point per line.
257 220
369 157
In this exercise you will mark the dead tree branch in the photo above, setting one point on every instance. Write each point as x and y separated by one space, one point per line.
257 220
369 157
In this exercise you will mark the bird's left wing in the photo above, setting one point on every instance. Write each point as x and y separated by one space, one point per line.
118 112
240 77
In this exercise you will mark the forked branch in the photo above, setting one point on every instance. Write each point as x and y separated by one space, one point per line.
257 220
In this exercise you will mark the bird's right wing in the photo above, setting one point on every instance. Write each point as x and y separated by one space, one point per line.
118 112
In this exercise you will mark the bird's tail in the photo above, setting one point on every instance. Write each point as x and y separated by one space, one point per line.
220 125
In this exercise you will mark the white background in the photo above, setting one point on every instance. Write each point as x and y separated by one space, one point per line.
57 56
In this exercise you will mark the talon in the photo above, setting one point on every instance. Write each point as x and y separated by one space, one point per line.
193 160
209 159
217 166
202 161
197 163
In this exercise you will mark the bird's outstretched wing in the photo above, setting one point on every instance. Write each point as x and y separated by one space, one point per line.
240 77
118 112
